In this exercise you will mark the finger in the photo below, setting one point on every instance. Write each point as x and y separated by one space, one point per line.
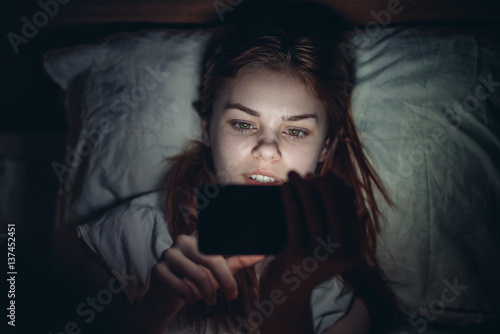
347 209
180 264
234 264
296 229
178 287
222 275
313 208
238 262
342 216
193 288
216 268
326 189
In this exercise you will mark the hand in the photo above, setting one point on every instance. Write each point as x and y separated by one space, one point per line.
324 234
184 275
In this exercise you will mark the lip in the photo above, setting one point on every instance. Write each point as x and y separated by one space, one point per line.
250 181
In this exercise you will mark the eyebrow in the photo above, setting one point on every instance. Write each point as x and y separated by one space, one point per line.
290 118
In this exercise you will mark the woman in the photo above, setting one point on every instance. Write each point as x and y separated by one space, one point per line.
275 108
274 99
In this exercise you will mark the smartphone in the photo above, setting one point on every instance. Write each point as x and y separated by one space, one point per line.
241 219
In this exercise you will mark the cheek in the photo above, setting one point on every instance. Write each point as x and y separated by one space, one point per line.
229 150
304 161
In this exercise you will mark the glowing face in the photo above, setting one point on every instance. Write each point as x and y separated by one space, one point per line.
264 125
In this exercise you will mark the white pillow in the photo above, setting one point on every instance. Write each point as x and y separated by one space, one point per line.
129 101
441 170
440 162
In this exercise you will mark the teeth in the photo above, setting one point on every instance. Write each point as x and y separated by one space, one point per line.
263 179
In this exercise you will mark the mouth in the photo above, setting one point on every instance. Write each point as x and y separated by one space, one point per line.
261 179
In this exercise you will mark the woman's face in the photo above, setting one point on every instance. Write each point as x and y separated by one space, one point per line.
264 125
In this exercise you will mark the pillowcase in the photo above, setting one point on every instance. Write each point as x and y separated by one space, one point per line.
426 106
129 108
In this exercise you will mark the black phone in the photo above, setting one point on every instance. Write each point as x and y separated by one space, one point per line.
241 219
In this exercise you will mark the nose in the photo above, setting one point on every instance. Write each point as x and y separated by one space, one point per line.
267 149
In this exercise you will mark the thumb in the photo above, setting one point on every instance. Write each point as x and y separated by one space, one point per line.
238 262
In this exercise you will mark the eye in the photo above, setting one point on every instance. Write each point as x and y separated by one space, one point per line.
296 133
242 126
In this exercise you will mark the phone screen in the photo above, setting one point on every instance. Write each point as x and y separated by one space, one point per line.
241 219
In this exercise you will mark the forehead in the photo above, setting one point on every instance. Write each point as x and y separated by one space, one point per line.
267 90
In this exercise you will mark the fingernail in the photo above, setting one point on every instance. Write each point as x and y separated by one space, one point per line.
233 295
